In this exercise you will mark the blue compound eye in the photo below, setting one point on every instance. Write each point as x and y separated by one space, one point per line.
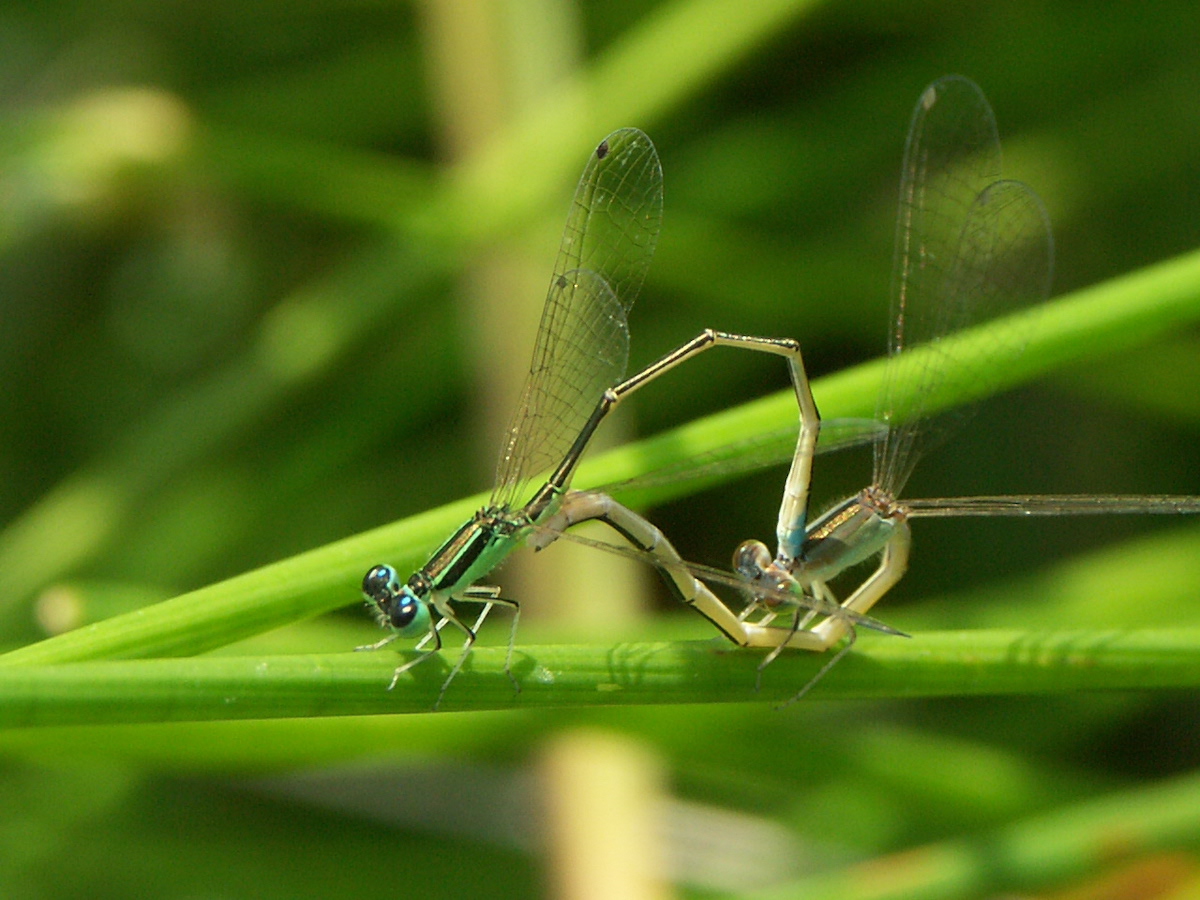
401 607
407 613
380 585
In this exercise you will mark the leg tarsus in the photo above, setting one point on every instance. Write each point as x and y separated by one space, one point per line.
468 643
400 670
774 654
820 672
378 644
512 638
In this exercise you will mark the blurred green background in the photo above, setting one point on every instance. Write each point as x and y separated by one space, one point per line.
269 276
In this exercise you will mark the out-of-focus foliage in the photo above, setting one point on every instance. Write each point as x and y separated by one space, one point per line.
243 313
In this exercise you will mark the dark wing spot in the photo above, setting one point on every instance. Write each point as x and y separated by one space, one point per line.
602 150
562 281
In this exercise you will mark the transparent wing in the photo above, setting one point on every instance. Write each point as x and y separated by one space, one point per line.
582 342
1057 505
614 221
969 248
582 347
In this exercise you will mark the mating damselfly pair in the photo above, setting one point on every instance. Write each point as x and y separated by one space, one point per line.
971 247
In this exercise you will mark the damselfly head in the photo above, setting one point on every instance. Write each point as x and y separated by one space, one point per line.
751 559
399 607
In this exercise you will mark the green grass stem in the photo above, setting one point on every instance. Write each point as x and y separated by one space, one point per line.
932 664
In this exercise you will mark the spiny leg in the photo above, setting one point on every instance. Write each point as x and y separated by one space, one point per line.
512 639
486 594
830 663
773 654
435 633
754 606
489 595
891 568
800 616
468 643
380 644
800 619
492 593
